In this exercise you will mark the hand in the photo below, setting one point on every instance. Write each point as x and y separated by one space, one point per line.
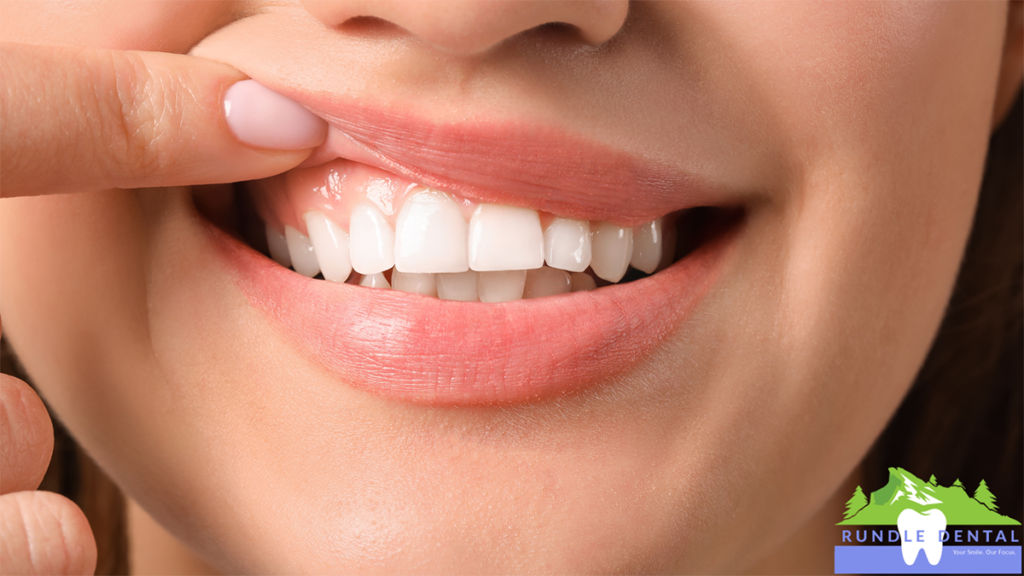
43 532
75 119
78 120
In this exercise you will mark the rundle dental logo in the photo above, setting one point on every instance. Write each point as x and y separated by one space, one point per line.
914 527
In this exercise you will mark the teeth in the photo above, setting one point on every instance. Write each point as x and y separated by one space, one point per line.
460 286
300 249
567 244
582 282
415 283
278 247
647 246
613 247
430 235
330 244
505 238
499 244
921 532
372 240
546 282
503 286
374 281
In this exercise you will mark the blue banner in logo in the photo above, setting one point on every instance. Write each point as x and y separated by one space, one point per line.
981 559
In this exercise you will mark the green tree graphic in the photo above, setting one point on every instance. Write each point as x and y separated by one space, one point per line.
985 496
933 481
856 502
959 484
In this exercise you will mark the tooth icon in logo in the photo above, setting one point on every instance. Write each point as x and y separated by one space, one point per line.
921 531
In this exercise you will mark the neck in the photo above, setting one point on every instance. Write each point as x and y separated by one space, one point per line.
153 550
810 550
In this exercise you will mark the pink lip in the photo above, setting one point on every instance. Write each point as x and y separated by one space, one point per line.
424 350
510 162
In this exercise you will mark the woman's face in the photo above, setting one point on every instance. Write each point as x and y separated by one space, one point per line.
694 429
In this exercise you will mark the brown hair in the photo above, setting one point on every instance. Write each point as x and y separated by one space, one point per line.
961 419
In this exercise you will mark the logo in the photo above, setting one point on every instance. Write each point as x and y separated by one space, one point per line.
914 527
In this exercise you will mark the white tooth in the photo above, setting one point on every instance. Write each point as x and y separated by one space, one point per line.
430 235
330 244
278 247
502 286
505 238
301 251
371 240
460 286
647 245
546 282
921 532
613 247
415 283
374 281
567 244
582 282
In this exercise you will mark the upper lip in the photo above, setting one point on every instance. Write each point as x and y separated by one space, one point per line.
505 161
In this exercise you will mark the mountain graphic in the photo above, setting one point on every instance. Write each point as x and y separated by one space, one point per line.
904 490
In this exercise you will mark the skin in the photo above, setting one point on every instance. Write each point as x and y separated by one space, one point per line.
860 128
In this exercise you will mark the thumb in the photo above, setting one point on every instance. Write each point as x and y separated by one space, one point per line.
89 119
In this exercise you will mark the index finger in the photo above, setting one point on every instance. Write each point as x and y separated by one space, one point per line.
90 119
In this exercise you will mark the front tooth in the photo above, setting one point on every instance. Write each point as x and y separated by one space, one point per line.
505 238
374 281
613 247
460 286
546 282
278 247
372 240
502 286
330 244
300 249
921 532
430 235
567 244
424 284
647 246
582 282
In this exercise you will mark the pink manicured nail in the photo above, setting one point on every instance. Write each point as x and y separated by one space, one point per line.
263 118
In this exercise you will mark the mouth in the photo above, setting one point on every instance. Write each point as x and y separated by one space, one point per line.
472 264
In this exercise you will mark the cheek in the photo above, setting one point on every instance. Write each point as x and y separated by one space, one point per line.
165 26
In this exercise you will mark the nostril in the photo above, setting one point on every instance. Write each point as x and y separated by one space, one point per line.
366 26
553 33
471 27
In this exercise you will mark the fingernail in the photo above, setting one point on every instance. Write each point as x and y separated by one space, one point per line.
260 117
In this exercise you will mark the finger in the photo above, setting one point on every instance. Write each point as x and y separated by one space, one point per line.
26 436
88 119
44 533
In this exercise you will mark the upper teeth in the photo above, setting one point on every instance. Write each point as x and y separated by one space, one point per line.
472 260
430 235
505 238
371 240
567 244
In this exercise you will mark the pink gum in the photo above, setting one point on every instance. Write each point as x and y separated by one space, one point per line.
334 189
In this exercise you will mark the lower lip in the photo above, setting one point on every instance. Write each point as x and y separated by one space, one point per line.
436 352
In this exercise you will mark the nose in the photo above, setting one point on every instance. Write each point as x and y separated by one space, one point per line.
474 26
